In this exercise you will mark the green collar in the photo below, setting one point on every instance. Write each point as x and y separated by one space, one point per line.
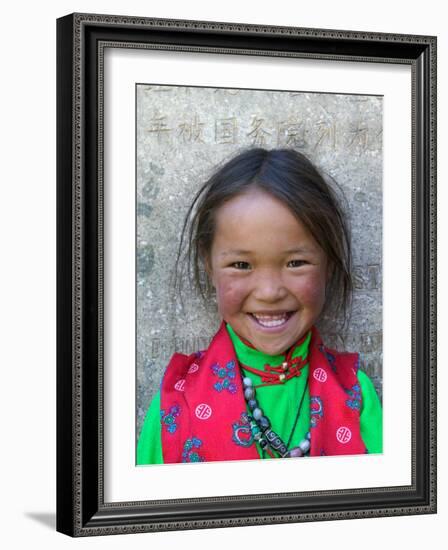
257 359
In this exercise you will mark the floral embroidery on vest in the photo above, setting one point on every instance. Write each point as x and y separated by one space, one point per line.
188 453
169 419
226 375
355 394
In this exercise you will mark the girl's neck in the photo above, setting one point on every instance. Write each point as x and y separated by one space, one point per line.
247 354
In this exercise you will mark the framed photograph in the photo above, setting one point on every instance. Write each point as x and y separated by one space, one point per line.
246 274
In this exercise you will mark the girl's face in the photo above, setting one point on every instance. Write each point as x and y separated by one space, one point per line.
268 271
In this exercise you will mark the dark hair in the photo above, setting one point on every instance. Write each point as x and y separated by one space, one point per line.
290 177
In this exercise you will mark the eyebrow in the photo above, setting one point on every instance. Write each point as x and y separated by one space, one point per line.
239 252
299 250
235 253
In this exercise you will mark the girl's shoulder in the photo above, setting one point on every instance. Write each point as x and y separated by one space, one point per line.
342 359
181 364
349 362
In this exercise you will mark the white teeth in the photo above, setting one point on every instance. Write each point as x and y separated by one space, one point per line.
271 320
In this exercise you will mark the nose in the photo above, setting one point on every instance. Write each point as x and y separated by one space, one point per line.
269 287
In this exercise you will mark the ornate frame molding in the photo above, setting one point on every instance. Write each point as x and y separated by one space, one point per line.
81 510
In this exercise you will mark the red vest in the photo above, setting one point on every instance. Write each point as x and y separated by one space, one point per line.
199 420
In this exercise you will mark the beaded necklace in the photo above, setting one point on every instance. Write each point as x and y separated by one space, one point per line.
269 441
262 432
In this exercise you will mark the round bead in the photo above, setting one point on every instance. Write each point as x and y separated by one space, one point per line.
249 393
257 413
252 404
247 382
296 452
264 423
305 445
285 366
281 377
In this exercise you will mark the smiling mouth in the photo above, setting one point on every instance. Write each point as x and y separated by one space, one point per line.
272 320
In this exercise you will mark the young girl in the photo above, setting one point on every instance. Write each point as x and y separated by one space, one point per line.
272 239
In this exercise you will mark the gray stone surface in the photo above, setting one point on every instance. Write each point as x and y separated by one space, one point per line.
182 133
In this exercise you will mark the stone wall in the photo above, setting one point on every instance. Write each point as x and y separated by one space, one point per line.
182 133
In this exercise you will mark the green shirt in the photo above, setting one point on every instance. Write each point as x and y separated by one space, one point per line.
279 402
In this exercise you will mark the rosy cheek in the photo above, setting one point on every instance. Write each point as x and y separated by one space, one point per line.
229 294
311 290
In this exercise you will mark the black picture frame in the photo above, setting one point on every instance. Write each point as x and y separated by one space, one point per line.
81 509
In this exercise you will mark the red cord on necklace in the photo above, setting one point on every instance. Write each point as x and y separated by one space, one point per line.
280 374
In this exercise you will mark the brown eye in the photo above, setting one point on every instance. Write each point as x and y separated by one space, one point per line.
240 265
297 263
